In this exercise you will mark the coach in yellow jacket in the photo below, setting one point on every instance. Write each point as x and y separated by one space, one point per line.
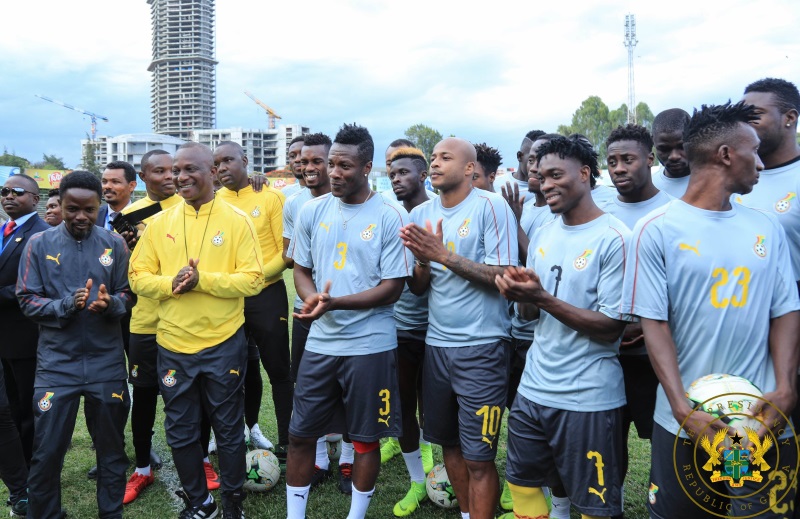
200 260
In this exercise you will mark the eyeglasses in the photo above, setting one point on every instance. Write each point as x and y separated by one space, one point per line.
18 191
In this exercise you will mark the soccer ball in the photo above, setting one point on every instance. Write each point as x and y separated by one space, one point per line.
728 398
334 450
263 470
439 489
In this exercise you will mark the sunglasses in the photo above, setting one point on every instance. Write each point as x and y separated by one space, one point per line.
18 191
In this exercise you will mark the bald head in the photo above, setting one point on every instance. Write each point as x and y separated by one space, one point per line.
199 152
452 165
463 149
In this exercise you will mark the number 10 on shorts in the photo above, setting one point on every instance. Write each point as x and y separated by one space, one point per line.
491 423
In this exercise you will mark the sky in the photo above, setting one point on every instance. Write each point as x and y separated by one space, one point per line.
484 71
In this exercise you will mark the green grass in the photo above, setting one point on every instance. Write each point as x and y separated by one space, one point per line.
78 492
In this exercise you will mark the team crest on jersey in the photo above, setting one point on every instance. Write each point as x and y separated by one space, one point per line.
217 239
105 259
582 261
256 212
463 231
785 203
759 248
45 404
169 379
135 371
367 234
651 493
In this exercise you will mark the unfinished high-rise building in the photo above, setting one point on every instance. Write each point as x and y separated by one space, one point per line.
183 91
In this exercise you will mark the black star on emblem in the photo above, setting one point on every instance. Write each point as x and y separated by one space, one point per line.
737 440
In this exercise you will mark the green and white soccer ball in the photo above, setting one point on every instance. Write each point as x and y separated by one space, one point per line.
263 470
728 398
439 489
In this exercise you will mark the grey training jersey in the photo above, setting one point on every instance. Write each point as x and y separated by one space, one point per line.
482 229
717 277
522 185
674 187
291 208
776 193
583 265
355 259
631 213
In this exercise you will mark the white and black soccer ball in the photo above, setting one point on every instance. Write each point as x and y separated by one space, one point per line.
263 470
439 489
728 398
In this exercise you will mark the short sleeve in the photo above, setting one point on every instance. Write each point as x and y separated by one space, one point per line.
300 246
612 275
288 217
784 294
396 259
645 285
499 233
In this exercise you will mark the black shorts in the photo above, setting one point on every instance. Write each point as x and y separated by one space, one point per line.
694 496
465 396
300 331
252 349
142 360
411 345
581 451
641 383
357 394
519 352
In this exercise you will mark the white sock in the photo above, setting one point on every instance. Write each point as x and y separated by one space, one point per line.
560 508
348 454
144 471
359 502
414 465
296 500
206 460
321 459
464 515
423 441
209 500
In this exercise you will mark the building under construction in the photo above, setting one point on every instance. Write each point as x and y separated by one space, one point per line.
183 89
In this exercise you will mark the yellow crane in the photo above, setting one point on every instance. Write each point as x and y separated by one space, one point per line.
272 115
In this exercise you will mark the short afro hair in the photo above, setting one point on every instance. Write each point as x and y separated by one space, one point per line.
631 132
151 153
54 192
488 157
534 134
574 147
81 179
130 172
786 95
547 137
670 121
299 138
234 145
317 139
410 152
401 143
710 125
355 135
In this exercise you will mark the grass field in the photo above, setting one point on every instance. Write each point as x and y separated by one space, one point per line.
78 492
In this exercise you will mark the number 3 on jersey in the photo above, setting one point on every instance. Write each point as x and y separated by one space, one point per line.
741 277
342 248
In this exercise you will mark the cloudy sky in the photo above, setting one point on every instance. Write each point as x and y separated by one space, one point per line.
485 71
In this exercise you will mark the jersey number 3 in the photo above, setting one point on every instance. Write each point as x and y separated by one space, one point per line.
342 247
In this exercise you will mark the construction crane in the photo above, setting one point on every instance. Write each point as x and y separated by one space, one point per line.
272 115
94 117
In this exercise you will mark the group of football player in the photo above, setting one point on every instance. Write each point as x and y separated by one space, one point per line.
422 315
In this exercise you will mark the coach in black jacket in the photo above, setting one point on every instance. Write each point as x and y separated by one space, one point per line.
19 197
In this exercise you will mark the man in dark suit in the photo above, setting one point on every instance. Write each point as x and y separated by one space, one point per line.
19 197
118 181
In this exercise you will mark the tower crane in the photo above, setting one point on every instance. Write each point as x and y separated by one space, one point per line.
272 115
93 116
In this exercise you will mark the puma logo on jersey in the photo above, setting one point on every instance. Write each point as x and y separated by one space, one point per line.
541 251
117 395
325 226
487 440
171 237
384 421
51 258
282 319
693 248
234 372
599 494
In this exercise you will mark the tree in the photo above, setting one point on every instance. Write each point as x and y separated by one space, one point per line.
50 162
14 161
89 160
594 120
423 137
